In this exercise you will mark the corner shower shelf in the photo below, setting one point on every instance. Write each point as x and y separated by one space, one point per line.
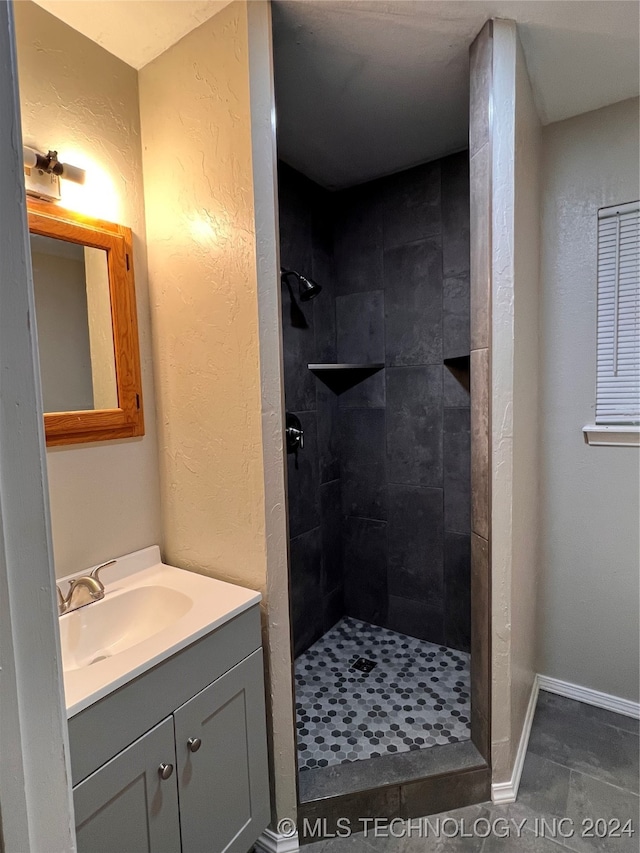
340 377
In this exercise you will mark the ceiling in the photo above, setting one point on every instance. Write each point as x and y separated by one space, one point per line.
135 31
368 88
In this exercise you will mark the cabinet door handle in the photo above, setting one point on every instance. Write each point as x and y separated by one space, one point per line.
194 744
165 770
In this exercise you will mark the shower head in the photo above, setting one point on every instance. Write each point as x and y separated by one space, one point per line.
307 288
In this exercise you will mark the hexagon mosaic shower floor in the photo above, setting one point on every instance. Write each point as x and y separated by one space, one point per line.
416 695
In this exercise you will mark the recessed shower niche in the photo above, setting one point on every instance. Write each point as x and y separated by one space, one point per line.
376 370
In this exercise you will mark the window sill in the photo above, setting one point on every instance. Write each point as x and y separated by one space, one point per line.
599 435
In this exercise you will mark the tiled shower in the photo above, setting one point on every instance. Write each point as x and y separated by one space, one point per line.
379 495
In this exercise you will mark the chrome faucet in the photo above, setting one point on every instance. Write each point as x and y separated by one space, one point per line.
83 590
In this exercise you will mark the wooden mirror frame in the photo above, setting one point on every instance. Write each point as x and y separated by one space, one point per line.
127 420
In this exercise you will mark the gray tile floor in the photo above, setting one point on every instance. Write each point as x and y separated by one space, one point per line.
415 696
581 765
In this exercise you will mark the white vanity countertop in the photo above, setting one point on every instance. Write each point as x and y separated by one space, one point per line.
150 611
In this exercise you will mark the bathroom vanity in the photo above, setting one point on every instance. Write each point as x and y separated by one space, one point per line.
165 695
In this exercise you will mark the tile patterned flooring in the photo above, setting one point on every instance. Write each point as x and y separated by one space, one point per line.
416 696
581 765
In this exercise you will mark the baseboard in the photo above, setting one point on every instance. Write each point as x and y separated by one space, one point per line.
590 697
507 792
273 842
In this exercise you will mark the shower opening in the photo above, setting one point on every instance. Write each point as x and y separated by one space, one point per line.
377 394
379 493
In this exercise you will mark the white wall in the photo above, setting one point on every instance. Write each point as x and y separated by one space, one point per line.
81 100
514 395
525 567
588 623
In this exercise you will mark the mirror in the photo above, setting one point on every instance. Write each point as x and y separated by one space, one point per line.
87 327
75 336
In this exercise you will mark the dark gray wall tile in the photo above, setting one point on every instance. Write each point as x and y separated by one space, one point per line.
416 619
328 433
322 218
332 608
414 425
358 240
455 214
306 589
454 393
457 588
413 303
309 335
365 556
412 205
394 234
303 480
370 393
362 462
331 515
457 467
299 349
360 327
359 269
358 217
455 316
295 219
324 306
415 539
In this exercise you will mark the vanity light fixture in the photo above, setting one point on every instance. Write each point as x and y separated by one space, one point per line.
43 172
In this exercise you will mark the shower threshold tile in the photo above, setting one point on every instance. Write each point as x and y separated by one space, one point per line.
415 696
399 768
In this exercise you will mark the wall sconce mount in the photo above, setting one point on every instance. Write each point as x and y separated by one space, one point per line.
43 172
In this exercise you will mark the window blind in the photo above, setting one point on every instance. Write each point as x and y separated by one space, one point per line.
618 357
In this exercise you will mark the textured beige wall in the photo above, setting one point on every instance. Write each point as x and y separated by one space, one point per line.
591 495
202 270
81 100
217 363
514 405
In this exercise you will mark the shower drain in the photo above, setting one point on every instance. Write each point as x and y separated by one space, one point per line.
363 665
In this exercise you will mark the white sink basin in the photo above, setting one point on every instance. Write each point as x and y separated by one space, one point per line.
150 611
115 624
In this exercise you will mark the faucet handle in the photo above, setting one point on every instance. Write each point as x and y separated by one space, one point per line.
96 572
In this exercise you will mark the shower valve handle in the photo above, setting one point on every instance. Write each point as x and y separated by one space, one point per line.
296 436
294 433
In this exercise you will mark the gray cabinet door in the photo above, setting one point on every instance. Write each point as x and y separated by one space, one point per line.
224 785
126 806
